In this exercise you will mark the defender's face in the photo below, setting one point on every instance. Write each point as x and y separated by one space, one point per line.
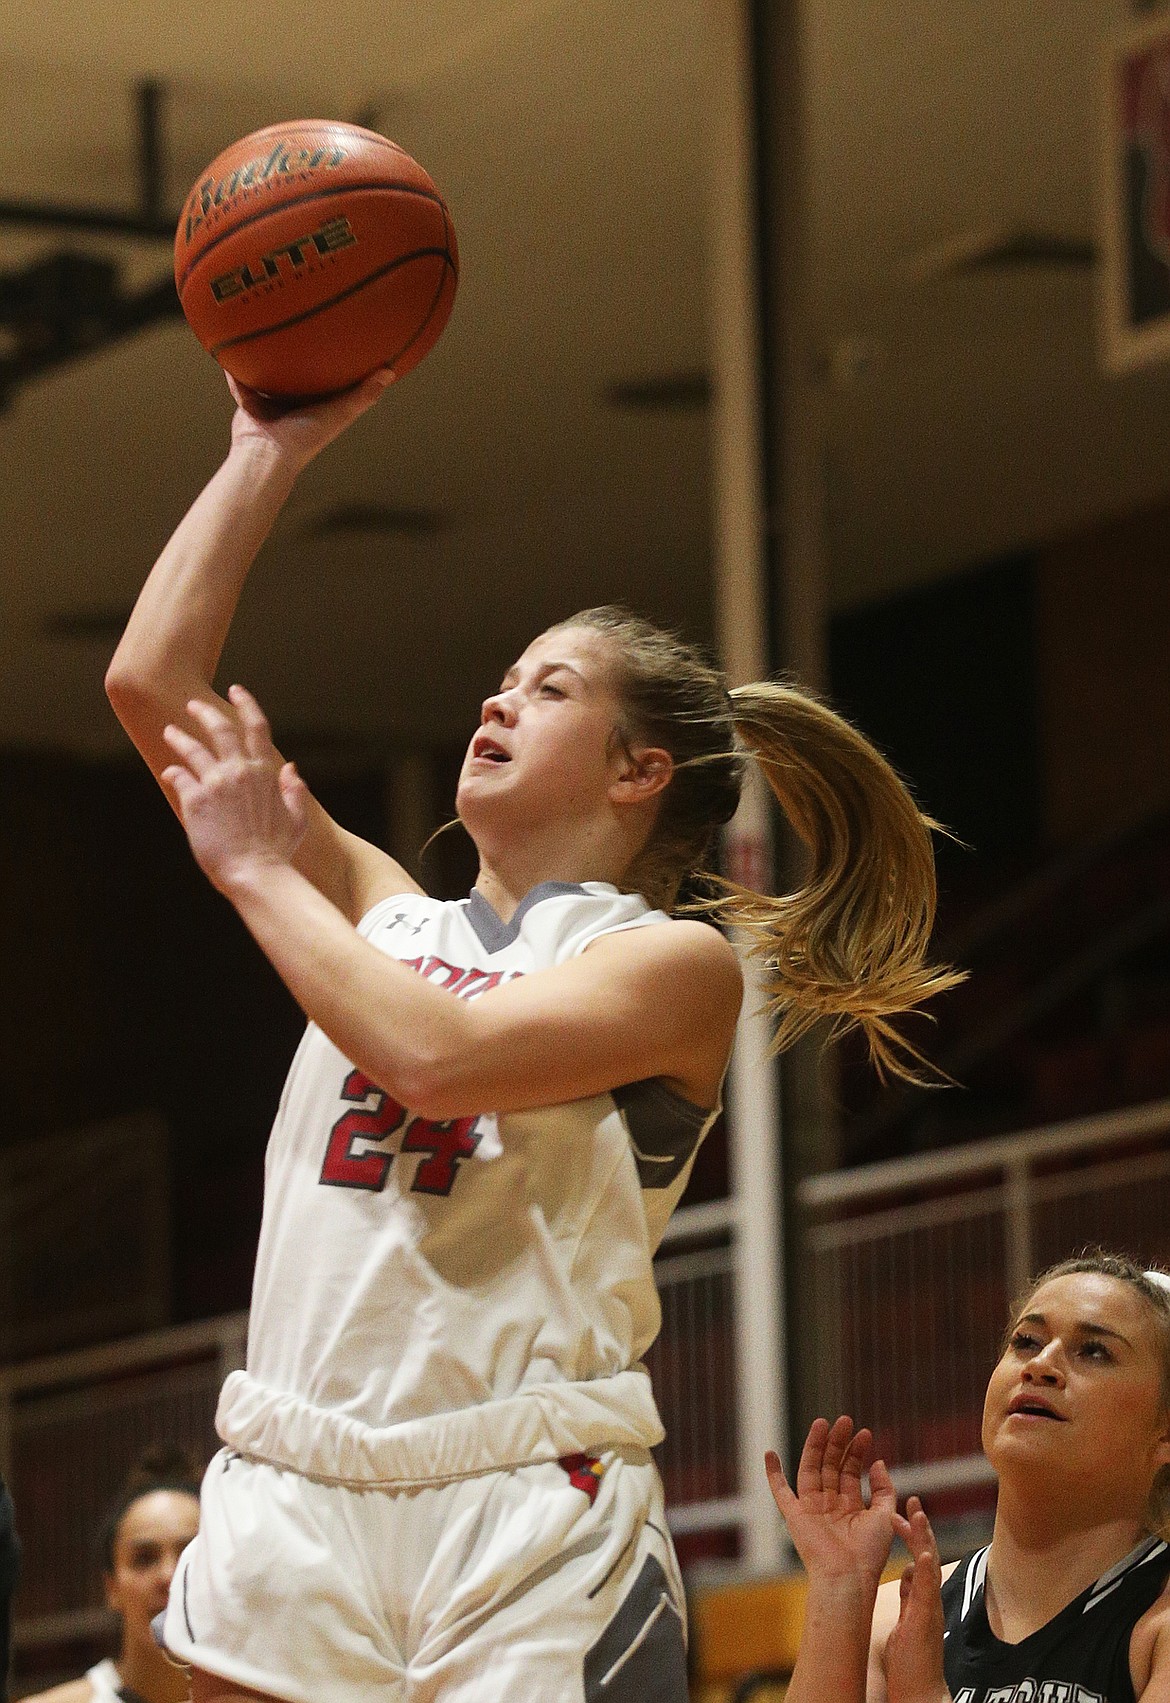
151 1536
1078 1392
545 749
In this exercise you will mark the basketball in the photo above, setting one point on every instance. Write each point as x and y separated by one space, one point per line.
311 253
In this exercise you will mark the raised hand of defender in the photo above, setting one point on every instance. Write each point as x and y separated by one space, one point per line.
834 1531
241 807
298 431
914 1649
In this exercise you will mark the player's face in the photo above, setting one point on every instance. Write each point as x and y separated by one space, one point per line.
1078 1393
546 747
152 1534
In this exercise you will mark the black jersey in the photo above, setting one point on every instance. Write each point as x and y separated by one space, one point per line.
1080 1656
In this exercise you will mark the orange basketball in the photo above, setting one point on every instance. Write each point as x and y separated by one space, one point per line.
309 254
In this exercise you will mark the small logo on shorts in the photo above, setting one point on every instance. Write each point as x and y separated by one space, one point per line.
584 1473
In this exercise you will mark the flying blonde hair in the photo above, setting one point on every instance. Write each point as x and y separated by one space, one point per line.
850 943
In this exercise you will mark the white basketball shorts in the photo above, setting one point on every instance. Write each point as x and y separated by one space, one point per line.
550 1583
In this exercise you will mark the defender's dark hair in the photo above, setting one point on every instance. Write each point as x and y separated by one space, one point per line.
163 1466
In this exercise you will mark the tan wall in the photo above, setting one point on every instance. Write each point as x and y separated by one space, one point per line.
1103 642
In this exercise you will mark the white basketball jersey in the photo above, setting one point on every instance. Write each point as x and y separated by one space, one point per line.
435 1298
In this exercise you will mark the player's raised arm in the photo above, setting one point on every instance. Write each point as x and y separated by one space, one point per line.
171 648
844 1545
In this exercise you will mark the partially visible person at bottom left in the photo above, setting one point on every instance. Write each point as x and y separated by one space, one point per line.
154 1518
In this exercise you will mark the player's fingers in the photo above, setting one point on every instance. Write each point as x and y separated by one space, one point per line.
354 402
182 783
777 1482
256 403
881 1485
853 1465
197 758
220 730
922 1541
254 729
808 1471
295 795
836 1445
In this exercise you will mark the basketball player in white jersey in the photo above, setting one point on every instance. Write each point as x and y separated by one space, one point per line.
1070 1602
436 1480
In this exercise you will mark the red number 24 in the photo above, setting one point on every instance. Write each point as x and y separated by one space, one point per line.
374 1115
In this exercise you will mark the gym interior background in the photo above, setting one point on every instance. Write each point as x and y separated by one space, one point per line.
968 511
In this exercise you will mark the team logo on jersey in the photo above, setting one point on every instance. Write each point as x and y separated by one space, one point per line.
584 1473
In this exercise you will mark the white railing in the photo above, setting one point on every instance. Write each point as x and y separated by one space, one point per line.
692 1365
915 1263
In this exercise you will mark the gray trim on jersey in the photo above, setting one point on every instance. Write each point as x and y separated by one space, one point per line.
641 1655
495 934
976 1573
1147 1550
664 1129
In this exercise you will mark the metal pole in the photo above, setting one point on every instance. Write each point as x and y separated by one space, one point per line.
148 102
1017 1228
741 605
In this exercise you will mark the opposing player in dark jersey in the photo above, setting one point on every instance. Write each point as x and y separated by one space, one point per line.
438 1482
1070 1602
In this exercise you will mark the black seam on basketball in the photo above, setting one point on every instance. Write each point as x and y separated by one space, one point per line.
449 266
298 201
296 319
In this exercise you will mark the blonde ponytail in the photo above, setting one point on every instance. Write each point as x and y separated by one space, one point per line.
849 945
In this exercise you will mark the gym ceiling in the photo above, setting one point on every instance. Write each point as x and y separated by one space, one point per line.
552 451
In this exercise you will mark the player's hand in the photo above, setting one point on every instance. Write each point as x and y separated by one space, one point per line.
300 430
241 807
914 1649
836 1535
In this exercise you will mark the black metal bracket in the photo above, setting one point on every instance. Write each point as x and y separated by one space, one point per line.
148 221
69 304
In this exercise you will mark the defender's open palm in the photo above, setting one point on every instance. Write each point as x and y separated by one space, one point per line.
914 1649
834 1532
241 807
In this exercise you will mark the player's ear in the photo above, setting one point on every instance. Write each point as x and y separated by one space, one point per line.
643 772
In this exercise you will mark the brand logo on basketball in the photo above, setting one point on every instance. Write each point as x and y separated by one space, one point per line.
290 256
283 161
